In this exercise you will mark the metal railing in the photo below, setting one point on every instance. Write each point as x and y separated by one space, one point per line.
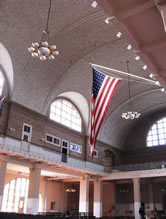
139 166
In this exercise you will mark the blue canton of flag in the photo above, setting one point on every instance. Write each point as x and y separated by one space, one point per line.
103 88
98 79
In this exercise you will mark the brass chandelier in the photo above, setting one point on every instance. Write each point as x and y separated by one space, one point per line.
43 49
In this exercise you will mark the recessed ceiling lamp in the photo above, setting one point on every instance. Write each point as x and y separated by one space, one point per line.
43 49
130 114
94 4
129 47
137 58
119 34
145 67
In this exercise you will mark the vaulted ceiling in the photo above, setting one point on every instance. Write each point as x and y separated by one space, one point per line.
82 36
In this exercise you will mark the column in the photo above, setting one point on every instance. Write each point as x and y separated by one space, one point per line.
151 204
97 207
33 191
63 198
137 197
3 166
84 195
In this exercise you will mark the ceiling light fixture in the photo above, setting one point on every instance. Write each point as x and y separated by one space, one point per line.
119 34
70 189
107 20
157 83
162 89
151 75
137 58
94 4
129 47
145 67
43 49
130 114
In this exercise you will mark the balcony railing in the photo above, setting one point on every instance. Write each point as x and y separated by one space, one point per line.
139 166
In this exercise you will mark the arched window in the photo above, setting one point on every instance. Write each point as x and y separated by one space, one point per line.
64 112
1 82
15 196
157 134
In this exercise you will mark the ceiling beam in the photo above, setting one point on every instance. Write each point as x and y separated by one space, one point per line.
129 12
151 46
62 171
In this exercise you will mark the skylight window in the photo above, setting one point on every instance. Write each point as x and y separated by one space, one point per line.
62 111
157 134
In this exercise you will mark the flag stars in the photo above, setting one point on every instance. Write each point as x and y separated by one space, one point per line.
98 79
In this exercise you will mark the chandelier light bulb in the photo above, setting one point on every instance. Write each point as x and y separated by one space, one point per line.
34 54
35 45
43 51
56 53
94 4
162 89
51 57
31 49
53 47
44 44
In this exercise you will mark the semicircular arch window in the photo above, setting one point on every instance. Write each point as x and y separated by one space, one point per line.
62 111
157 133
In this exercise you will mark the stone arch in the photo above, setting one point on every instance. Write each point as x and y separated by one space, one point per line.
6 68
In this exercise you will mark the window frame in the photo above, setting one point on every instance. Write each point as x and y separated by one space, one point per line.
29 134
80 152
47 134
158 132
72 124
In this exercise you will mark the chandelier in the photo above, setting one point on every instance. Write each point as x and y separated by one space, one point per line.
130 114
43 49
70 189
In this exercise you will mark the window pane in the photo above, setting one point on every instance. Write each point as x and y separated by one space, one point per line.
157 133
64 112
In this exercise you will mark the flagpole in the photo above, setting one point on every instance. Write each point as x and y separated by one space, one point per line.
122 72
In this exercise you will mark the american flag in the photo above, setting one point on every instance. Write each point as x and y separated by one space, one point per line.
103 88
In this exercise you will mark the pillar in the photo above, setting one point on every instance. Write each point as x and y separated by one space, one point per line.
97 207
151 204
137 197
84 195
33 191
3 166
